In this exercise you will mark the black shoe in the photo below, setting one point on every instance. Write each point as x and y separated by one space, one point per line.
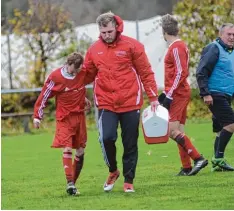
198 165
184 171
220 164
71 189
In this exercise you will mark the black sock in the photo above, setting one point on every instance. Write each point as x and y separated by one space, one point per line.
224 138
216 143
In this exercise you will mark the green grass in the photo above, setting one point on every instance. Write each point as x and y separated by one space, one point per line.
33 178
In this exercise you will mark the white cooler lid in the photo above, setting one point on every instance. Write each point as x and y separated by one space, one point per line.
156 123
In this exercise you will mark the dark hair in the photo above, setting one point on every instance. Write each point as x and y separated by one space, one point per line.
76 59
170 25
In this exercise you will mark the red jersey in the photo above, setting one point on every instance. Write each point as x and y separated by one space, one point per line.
69 92
176 64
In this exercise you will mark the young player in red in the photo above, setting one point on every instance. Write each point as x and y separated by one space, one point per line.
67 85
176 96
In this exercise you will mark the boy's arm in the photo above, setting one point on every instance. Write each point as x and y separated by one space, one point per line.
48 91
181 63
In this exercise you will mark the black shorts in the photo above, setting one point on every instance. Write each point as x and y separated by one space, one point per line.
222 111
217 127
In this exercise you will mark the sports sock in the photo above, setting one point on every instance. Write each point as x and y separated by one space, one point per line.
224 138
67 165
216 142
184 157
187 145
77 167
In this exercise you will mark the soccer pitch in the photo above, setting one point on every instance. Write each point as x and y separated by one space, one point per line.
33 178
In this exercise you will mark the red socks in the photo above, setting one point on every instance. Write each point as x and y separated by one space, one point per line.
188 149
67 165
184 157
77 167
72 171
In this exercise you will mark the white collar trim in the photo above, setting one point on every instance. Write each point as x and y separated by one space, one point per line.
174 42
65 74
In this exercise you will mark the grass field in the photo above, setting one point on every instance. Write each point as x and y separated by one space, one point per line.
32 176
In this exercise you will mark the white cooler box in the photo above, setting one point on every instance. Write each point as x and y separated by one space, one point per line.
155 125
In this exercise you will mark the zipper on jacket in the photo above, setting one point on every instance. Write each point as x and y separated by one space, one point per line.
110 72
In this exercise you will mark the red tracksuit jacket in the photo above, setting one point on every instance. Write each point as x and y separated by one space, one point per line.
119 70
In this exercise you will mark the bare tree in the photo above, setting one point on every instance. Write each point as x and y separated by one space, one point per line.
45 27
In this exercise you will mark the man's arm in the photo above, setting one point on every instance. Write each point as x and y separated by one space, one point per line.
208 60
144 70
90 68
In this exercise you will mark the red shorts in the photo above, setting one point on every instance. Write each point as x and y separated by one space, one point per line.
71 132
178 109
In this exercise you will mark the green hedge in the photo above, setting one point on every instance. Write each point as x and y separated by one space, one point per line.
16 103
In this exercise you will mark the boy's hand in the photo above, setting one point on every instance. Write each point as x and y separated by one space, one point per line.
36 123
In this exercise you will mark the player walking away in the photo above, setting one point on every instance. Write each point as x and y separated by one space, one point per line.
119 64
215 77
176 96
67 85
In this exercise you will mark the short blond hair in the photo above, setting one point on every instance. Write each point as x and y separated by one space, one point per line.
170 25
105 18
76 59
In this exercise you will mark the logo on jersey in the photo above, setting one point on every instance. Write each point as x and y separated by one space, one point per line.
74 90
120 53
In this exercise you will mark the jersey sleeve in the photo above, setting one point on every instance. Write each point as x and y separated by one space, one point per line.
49 90
180 57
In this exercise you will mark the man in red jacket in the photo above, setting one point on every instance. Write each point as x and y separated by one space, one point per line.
67 85
176 96
118 65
